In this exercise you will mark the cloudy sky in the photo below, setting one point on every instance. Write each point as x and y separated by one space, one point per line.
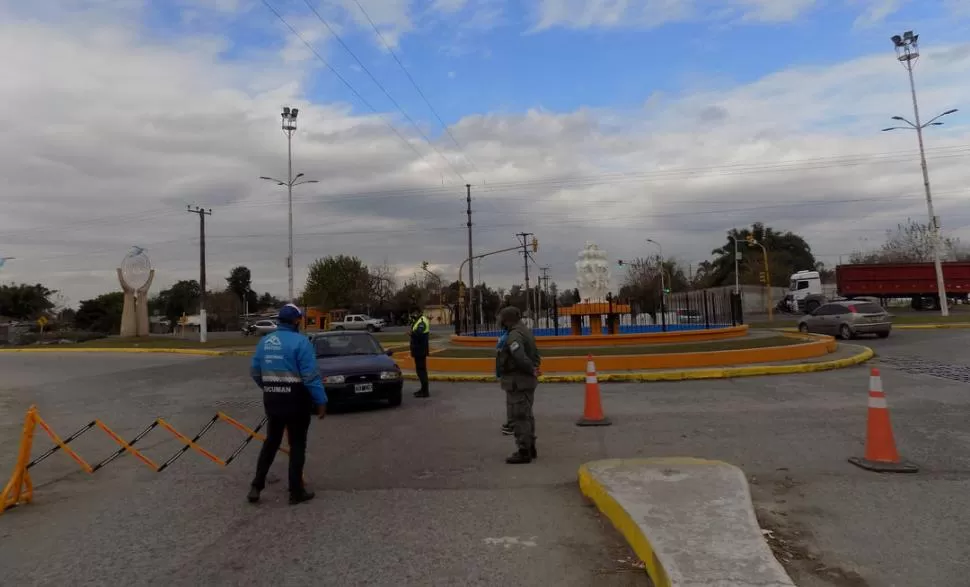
610 121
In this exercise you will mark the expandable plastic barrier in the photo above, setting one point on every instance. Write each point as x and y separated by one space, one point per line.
20 489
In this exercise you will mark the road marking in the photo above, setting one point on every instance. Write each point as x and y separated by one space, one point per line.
510 541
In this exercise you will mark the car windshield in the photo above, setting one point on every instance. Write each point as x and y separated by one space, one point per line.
339 346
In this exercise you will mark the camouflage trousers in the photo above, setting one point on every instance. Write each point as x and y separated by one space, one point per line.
519 406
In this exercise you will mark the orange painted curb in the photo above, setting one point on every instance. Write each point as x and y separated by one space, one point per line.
680 336
817 346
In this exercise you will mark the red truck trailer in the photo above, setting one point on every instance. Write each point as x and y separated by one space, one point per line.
916 281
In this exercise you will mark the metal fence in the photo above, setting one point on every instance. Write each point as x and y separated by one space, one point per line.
693 310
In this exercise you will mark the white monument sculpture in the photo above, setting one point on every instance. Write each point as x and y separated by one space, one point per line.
136 275
592 274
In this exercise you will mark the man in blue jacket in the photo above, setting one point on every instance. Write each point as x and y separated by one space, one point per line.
285 367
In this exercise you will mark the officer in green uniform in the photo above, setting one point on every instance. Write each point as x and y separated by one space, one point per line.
517 366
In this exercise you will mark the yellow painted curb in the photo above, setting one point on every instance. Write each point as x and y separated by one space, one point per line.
622 521
130 350
680 375
931 326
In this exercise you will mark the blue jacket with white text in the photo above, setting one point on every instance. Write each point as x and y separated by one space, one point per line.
285 367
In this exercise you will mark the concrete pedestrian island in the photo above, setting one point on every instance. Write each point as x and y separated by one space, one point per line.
690 521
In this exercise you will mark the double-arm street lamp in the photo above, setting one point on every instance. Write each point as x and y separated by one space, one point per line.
289 128
907 52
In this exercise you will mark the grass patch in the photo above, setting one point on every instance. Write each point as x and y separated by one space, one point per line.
653 349
164 342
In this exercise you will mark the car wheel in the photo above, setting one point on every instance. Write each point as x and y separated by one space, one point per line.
803 328
394 399
370 328
338 327
845 332
883 334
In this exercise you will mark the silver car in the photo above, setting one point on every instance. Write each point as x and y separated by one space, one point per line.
260 328
848 319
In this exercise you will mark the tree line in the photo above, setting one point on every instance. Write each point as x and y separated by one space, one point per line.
344 282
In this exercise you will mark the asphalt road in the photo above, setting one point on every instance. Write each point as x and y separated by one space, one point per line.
420 495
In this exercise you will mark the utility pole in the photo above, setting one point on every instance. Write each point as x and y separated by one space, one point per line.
525 263
907 52
544 281
203 321
471 262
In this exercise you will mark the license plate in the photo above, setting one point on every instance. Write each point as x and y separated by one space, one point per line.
363 388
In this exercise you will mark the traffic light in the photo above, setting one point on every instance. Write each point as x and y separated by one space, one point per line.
751 241
535 245
666 290
619 262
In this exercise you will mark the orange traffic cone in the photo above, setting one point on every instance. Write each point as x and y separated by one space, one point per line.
881 455
593 411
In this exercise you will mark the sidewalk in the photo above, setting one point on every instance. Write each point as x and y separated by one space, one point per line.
846 355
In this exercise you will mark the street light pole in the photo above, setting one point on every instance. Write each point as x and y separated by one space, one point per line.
907 52
737 265
289 128
663 286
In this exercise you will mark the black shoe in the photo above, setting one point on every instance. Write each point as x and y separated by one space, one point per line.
301 496
508 430
533 452
253 496
420 393
519 457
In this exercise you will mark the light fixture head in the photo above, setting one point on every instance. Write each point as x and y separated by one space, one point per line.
286 110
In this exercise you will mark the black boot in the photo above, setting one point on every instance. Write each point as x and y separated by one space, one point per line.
422 393
301 496
533 452
253 496
522 456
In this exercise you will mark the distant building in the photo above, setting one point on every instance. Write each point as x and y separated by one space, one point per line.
438 314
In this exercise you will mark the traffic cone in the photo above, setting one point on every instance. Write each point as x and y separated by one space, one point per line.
881 455
593 411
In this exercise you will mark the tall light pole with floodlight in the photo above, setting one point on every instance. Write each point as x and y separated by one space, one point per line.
907 51
289 128
660 257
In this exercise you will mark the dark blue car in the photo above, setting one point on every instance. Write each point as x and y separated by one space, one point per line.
355 367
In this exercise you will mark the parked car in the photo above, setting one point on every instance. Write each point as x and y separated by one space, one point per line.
355 367
259 328
359 322
848 319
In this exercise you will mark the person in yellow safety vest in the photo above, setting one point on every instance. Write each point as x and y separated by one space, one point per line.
420 347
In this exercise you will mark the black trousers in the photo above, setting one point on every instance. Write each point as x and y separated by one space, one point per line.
297 424
421 369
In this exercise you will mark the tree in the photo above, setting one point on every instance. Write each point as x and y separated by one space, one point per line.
101 314
240 283
337 282
382 285
267 301
642 282
787 253
181 298
911 242
25 302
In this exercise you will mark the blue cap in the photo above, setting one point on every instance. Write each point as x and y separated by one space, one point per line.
290 313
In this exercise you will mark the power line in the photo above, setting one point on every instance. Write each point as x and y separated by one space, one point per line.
416 86
383 89
343 80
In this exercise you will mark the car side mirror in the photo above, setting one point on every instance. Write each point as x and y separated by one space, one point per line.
389 352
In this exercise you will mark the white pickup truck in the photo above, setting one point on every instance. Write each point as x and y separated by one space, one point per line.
359 322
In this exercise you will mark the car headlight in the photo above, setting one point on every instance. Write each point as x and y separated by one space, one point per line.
390 374
334 379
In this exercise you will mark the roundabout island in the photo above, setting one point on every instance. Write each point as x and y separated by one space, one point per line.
703 347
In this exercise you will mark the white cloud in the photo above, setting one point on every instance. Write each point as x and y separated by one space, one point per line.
108 135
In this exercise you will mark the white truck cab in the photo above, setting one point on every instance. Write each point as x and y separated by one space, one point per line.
804 292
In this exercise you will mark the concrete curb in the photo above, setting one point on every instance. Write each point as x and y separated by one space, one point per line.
680 374
129 350
690 521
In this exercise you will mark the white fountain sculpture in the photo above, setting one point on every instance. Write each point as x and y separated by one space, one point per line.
592 274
